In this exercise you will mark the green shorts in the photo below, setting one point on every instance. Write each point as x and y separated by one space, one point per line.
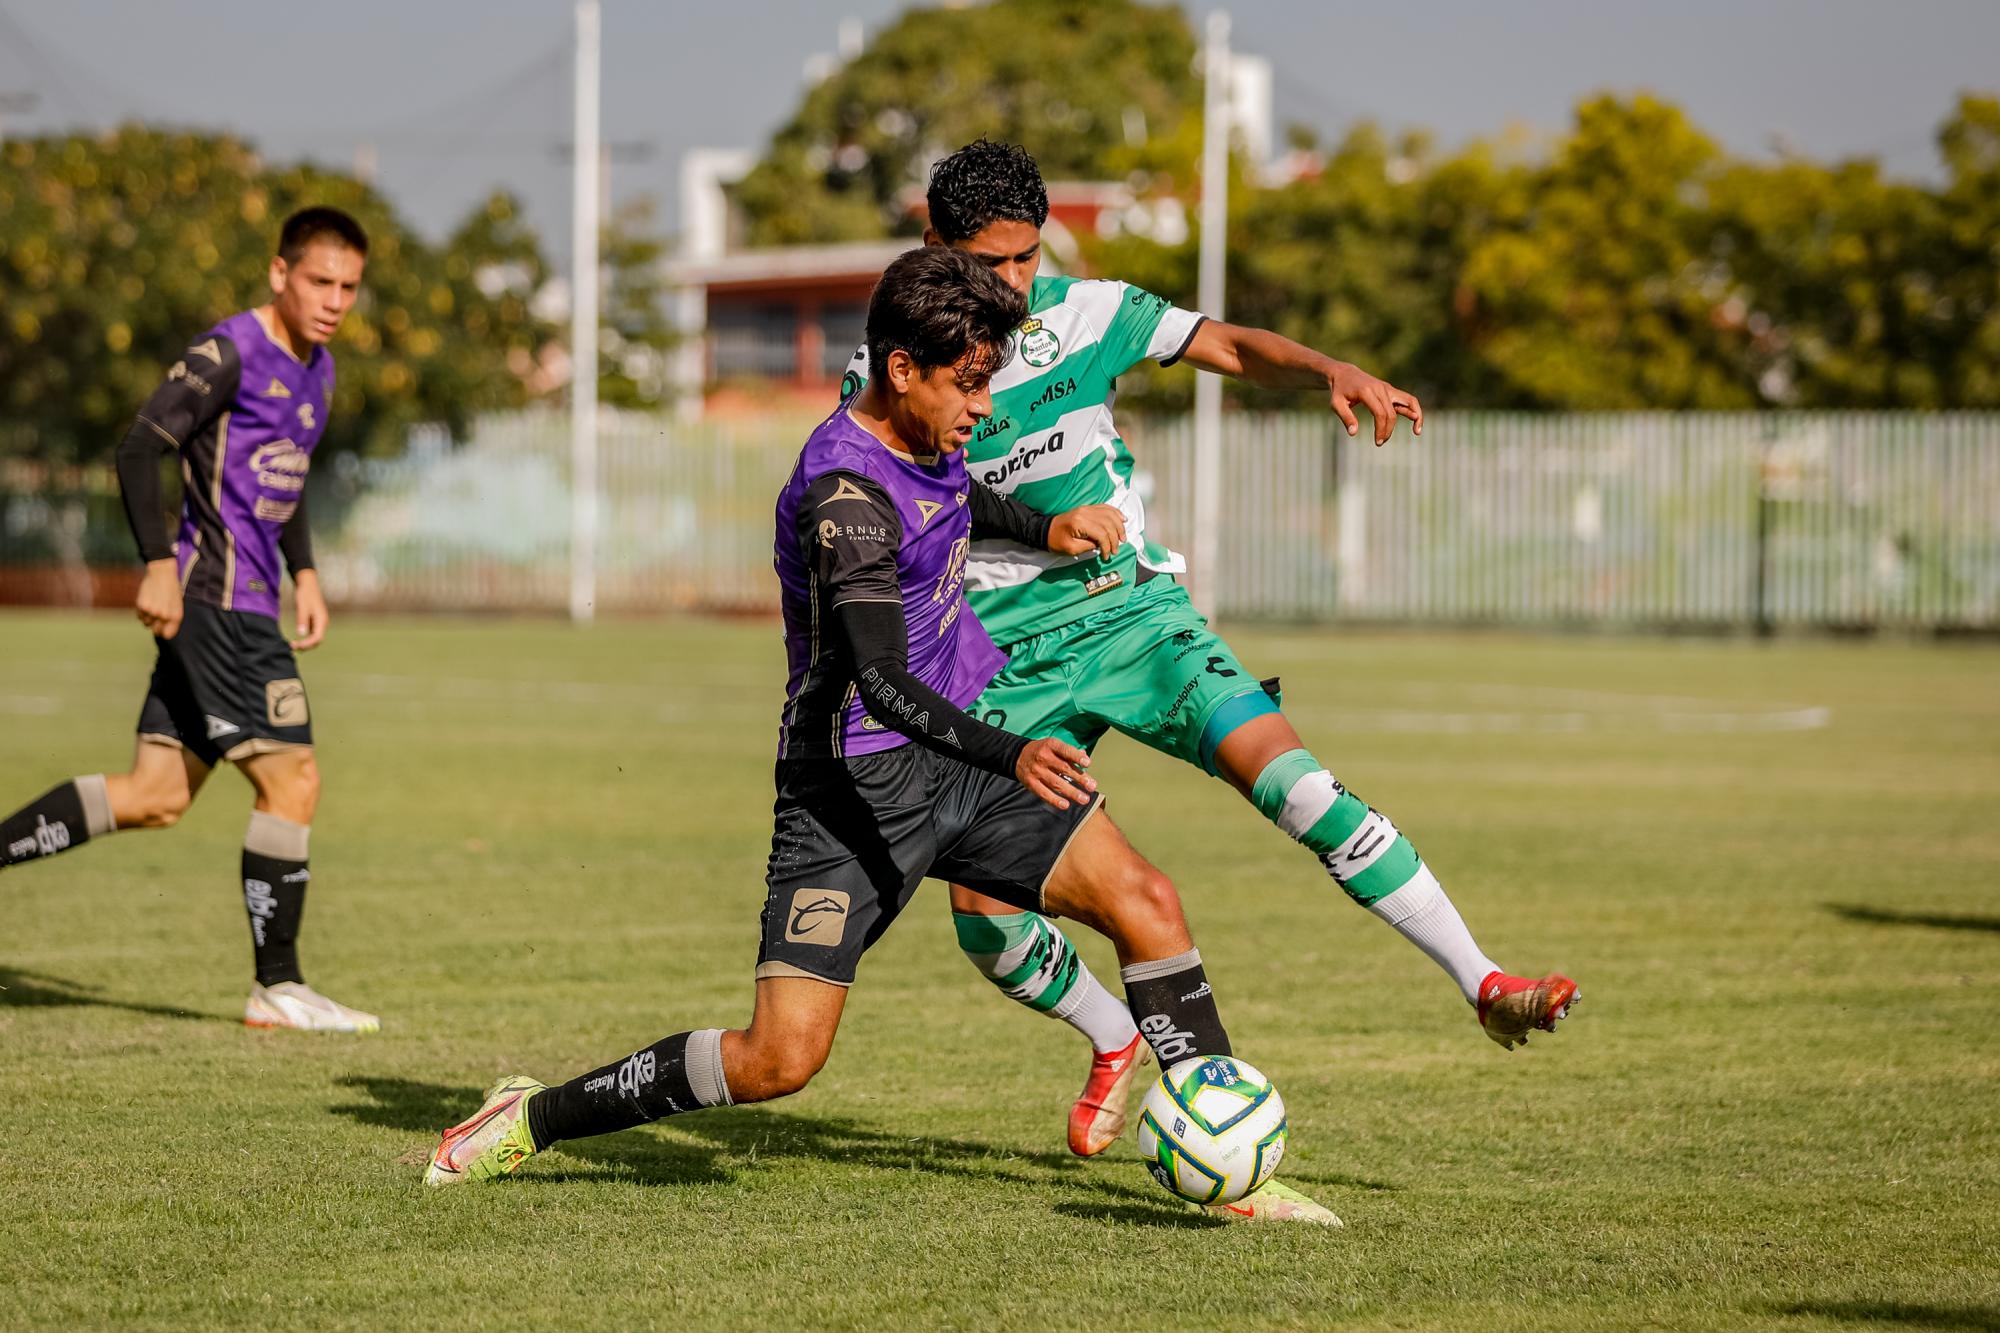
1150 667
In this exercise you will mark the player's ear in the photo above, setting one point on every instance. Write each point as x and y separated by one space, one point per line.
279 272
931 236
902 371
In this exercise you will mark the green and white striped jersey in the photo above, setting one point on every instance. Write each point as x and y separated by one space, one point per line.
1052 443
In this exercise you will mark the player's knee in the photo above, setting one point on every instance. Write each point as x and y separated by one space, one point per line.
156 805
773 1068
1153 895
770 1073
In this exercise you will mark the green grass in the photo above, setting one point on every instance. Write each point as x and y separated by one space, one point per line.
540 849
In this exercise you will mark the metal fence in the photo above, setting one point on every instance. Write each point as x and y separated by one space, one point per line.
1700 520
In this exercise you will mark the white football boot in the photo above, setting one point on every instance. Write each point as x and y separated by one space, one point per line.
293 1004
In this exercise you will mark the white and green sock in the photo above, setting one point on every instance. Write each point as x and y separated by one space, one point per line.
1370 859
1035 964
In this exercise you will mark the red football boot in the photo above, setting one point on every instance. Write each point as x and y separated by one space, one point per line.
1511 1007
1098 1118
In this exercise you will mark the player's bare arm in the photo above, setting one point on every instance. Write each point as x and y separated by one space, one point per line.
1273 361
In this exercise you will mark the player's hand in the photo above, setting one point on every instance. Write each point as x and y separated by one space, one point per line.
159 604
1089 527
311 607
1384 401
1053 770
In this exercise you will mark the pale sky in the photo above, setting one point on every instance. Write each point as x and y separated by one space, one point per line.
457 96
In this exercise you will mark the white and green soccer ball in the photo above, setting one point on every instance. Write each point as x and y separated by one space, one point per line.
1212 1129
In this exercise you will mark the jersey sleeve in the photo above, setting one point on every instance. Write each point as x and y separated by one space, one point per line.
1145 327
849 531
196 391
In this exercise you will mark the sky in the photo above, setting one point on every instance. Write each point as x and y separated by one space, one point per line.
456 97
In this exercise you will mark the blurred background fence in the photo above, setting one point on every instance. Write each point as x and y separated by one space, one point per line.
1695 520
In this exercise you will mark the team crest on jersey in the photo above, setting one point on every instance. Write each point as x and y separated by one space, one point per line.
1039 345
306 415
277 389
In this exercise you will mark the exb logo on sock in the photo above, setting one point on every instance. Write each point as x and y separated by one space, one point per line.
636 1073
46 840
1168 1042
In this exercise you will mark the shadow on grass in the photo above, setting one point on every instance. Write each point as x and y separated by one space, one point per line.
1897 1312
1147 1214
1880 916
34 990
730 1140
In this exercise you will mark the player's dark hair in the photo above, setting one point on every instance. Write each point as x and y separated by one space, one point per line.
310 224
943 308
983 183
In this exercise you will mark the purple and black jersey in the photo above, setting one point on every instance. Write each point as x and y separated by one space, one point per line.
244 415
859 522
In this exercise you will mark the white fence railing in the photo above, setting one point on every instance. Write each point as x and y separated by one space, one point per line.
1834 520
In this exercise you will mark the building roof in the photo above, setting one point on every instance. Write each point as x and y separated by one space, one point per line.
791 263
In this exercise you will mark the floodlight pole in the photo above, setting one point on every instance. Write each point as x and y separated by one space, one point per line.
1214 249
583 322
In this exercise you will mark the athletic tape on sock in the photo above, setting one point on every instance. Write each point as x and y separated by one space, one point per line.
96 798
268 835
1164 967
704 1068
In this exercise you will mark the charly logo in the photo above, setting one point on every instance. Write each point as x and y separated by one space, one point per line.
1039 345
285 702
281 466
818 916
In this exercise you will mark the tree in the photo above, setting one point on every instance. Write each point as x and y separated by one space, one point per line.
1098 88
118 249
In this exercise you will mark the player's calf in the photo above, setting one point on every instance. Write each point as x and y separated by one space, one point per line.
65 816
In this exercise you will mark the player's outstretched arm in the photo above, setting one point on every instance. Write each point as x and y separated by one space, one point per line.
1079 531
1273 361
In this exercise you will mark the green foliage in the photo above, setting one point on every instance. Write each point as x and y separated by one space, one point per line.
1099 88
1635 266
636 334
115 250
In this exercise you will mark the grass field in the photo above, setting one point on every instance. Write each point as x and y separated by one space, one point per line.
1774 869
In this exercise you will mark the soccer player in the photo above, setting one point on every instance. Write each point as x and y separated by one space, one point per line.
883 778
1098 641
243 407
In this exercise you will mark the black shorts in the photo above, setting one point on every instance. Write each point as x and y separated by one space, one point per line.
854 837
226 687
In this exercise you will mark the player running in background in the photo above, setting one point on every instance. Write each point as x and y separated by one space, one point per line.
883 778
243 407
1096 642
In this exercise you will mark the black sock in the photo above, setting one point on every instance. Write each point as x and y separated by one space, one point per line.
274 892
674 1075
52 822
1174 1007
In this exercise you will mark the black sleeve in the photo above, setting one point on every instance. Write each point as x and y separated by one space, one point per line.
850 533
295 540
997 515
196 391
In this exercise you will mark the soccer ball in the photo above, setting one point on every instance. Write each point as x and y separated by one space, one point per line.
1212 1129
